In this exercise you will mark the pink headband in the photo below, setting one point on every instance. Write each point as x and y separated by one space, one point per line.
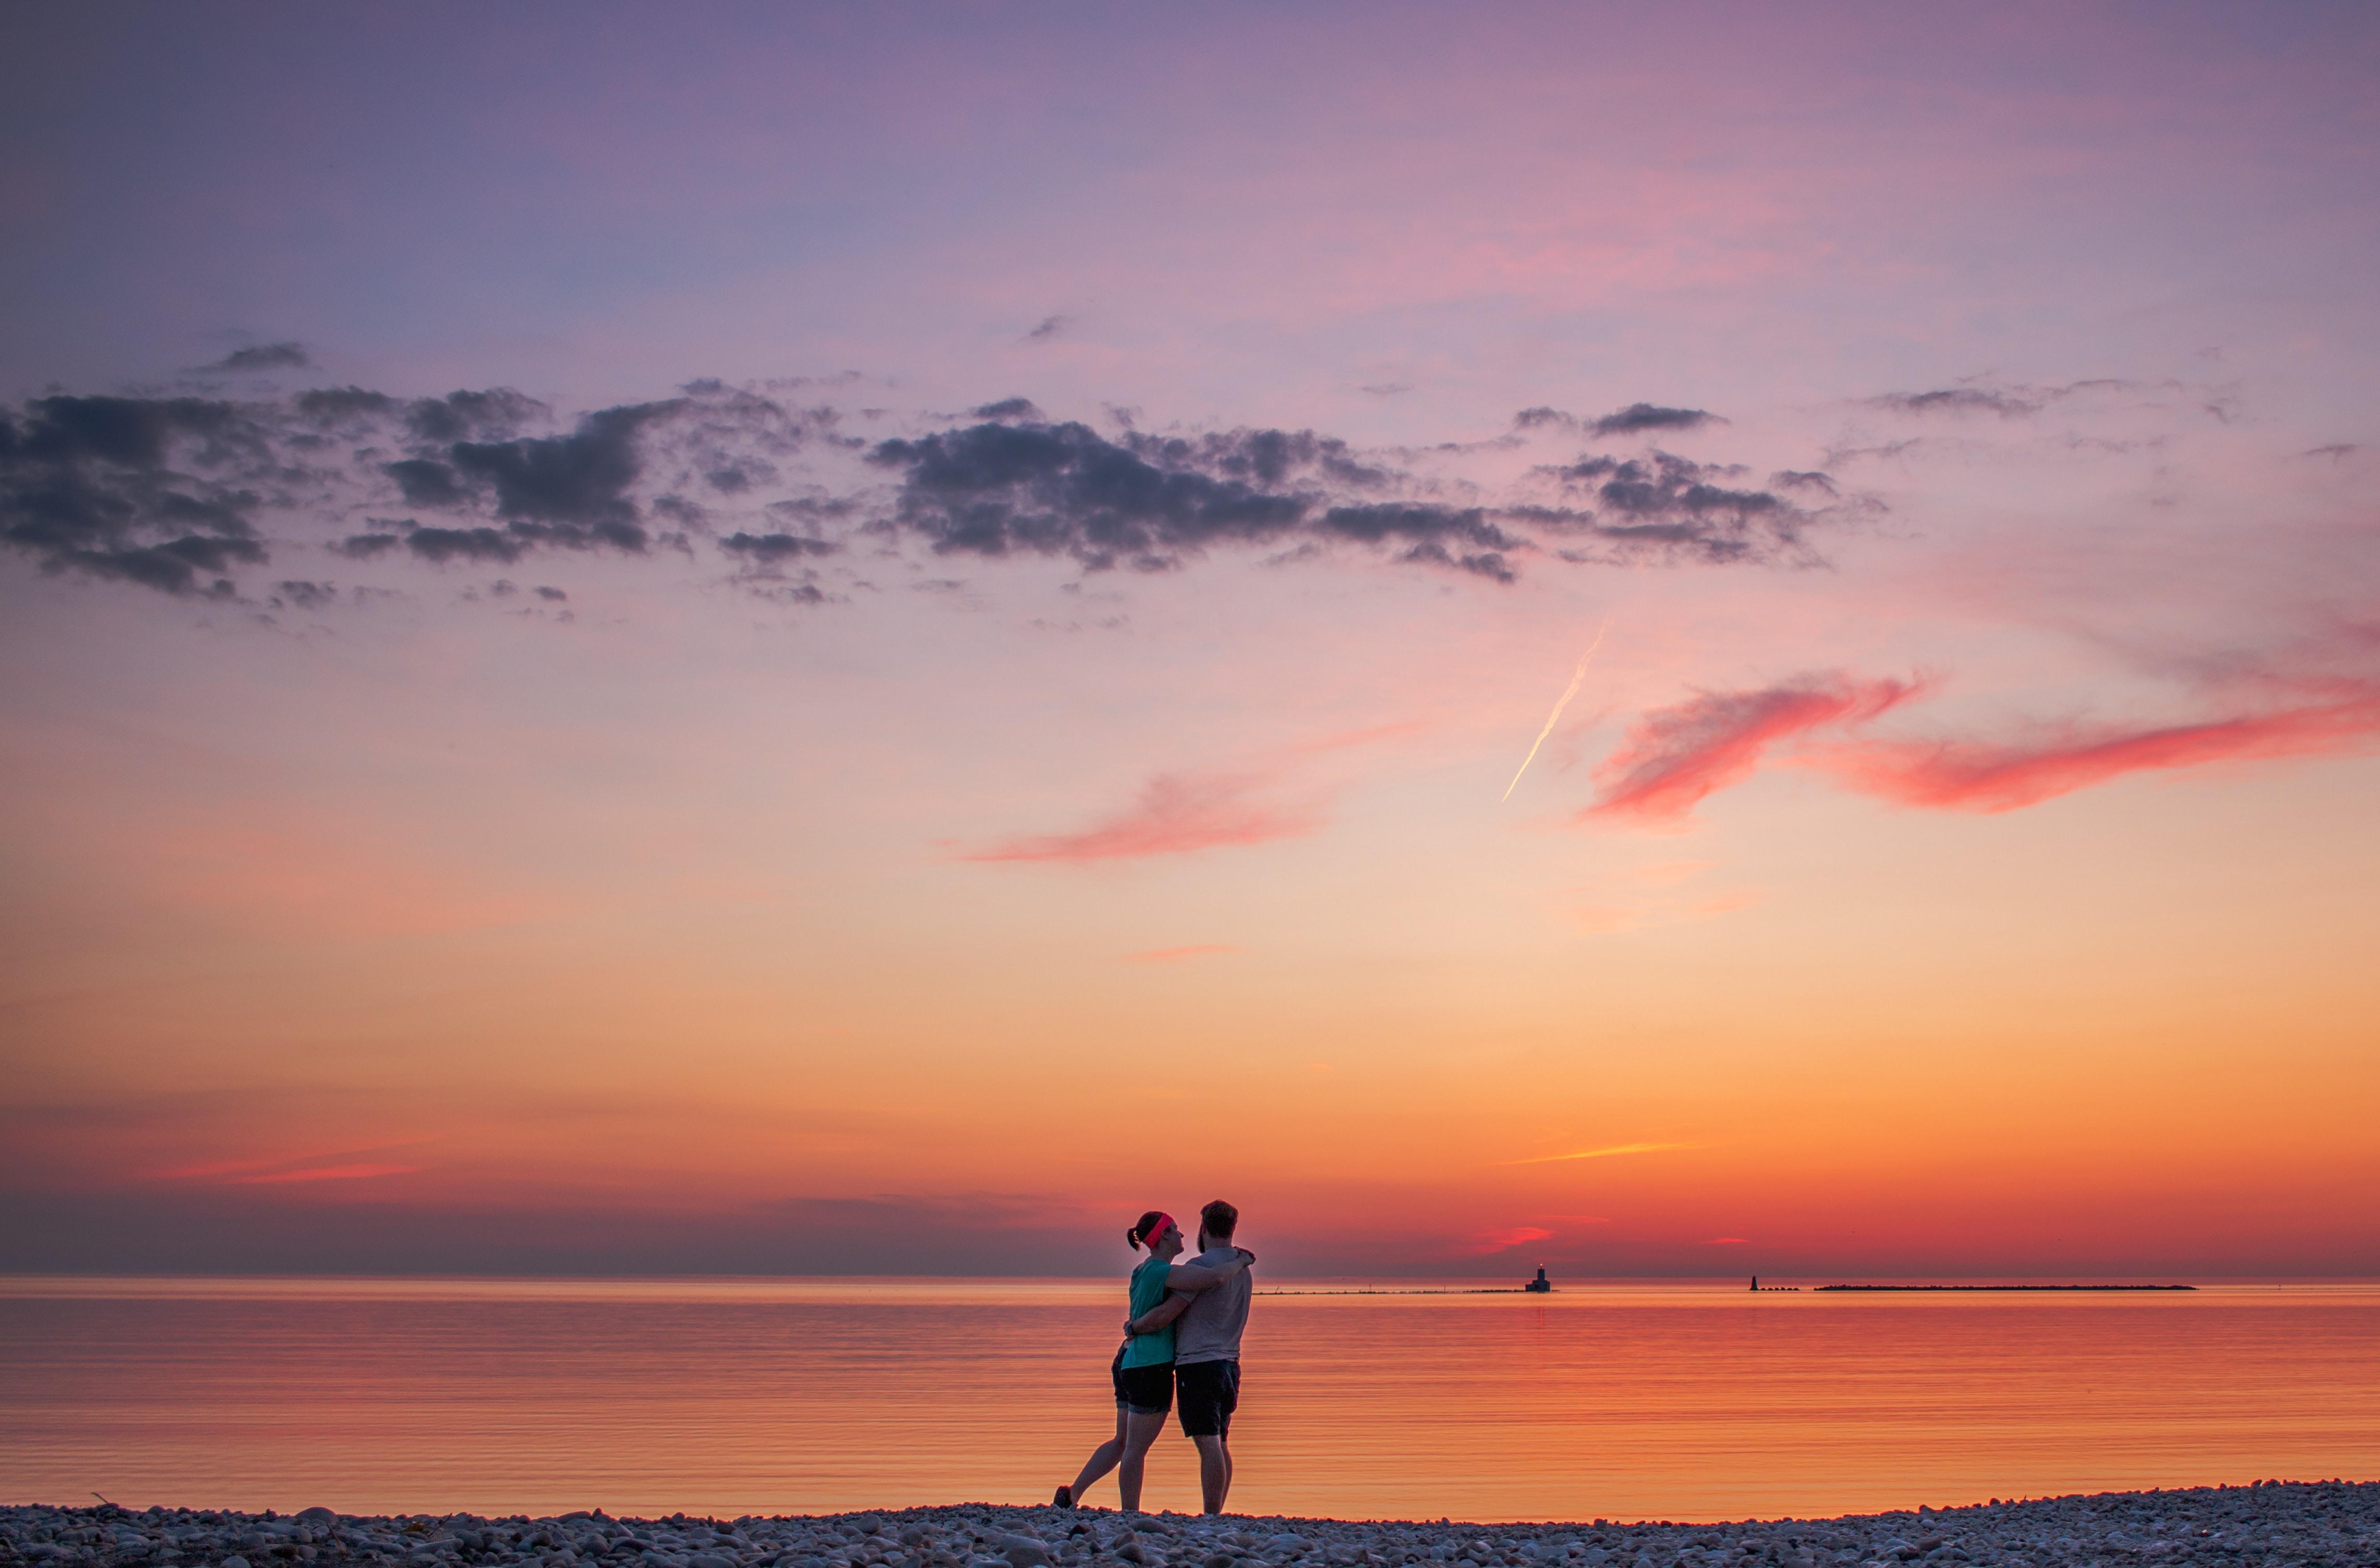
1155 1229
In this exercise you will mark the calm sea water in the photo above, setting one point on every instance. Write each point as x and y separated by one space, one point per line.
728 1397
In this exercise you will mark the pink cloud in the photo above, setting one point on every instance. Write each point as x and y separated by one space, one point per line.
1673 757
1979 776
1176 814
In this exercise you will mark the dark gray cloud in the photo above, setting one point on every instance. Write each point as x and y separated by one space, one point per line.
1638 417
1957 400
1432 535
471 415
1666 506
814 509
162 491
741 475
1484 562
149 490
369 546
578 484
425 482
168 492
173 567
341 405
1049 490
568 492
302 594
1051 327
1153 503
265 357
443 545
1269 457
773 548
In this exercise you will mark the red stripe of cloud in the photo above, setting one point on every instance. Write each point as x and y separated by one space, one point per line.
1967 776
1672 756
1176 814
326 1174
270 1168
1486 1242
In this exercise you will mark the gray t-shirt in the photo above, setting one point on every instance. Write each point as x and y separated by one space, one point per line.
1210 1328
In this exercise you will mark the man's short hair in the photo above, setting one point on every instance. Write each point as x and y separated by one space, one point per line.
1218 1219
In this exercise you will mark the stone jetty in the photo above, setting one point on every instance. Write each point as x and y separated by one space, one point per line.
2270 1524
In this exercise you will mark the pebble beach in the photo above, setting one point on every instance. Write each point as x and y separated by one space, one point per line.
2269 1525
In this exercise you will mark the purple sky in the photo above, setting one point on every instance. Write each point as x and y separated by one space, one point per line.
692 624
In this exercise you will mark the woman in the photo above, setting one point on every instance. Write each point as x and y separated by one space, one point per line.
1142 1372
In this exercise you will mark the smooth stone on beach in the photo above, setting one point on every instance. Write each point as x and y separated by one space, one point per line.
1024 1551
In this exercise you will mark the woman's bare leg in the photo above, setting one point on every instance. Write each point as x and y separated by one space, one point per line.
1102 1460
1140 1432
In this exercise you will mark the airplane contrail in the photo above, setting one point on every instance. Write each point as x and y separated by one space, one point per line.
1555 717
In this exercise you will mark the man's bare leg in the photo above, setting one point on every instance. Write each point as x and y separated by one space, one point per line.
1214 1471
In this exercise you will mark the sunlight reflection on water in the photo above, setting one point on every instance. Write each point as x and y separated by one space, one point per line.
733 1396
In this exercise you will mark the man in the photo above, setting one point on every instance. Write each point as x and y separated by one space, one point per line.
1207 1350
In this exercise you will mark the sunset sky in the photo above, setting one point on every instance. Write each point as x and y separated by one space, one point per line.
841 639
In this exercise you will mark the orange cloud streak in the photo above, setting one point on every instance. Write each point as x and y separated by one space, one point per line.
1175 815
1602 1153
1967 776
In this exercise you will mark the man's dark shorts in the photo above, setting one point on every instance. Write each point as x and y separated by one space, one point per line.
1149 1391
1211 1392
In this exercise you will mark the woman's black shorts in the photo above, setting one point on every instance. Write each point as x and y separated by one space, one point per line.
1147 1390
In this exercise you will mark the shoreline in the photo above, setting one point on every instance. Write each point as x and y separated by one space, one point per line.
2277 1523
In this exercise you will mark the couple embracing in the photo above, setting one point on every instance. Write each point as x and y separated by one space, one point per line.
1184 1335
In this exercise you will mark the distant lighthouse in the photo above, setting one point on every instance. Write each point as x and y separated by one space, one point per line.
1539 1286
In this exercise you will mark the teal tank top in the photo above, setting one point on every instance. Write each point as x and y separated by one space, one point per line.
1147 1290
